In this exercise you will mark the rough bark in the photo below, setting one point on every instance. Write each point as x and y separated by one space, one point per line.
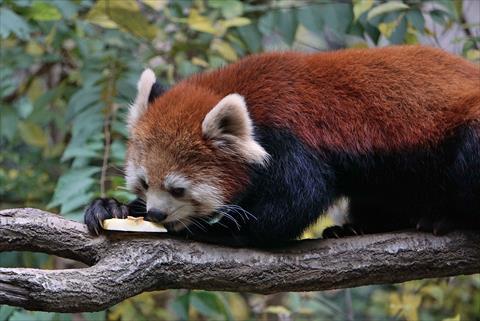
123 265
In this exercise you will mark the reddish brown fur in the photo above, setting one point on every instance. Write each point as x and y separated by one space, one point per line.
355 101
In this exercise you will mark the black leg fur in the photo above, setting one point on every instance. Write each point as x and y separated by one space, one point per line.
435 189
104 208
465 177
290 194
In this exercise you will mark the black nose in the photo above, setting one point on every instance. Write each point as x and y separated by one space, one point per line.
155 215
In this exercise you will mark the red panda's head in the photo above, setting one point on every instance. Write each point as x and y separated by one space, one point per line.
189 150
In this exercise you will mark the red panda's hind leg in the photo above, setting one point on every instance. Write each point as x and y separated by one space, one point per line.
465 177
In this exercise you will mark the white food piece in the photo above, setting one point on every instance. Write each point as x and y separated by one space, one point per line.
132 224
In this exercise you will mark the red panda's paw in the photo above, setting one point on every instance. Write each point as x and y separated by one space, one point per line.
101 209
336 231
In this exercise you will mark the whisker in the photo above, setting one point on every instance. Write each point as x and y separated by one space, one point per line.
237 208
197 224
179 220
231 218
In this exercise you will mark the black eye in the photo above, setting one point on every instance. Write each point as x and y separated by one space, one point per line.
177 192
144 184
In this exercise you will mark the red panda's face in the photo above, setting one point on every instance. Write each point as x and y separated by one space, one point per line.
189 151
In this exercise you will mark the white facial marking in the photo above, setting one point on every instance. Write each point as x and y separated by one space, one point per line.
175 180
144 86
200 199
132 174
173 207
209 196
229 121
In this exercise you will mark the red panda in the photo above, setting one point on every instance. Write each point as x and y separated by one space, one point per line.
253 153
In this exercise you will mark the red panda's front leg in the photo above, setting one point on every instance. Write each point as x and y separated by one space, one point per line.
104 208
290 193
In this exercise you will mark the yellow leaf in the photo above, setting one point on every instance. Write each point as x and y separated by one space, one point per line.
395 305
235 22
278 310
13 174
473 54
124 15
361 6
387 28
32 134
156 4
411 302
199 62
200 23
455 318
359 44
411 36
238 306
36 89
98 14
224 49
34 48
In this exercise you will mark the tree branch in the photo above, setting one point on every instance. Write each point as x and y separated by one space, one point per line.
123 265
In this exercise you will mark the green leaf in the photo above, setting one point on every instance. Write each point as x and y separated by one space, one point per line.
386 8
32 134
231 8
398 35
336 16
33 316
6 311
95 316
251 37
309 17
118 151
81 99
286 22
186 68
439 16
181 306
24 107
68 9
8 122
77 201
10 23
448 6
124 14
208 303
43 11
266 23
415 17
72 187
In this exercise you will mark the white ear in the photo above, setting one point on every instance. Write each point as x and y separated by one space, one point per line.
144 86
230 127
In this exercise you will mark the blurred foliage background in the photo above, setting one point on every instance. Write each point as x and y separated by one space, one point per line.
68 71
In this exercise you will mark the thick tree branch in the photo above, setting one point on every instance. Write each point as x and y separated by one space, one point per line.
123 265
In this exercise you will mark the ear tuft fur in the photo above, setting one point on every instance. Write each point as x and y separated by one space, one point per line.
144 88
156 91
230 127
